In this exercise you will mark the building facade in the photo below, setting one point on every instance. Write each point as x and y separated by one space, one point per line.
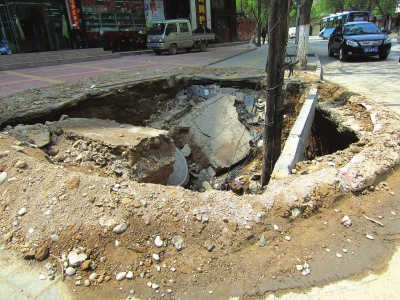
45 25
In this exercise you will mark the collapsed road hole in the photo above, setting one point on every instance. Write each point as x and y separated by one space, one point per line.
327 136
217 126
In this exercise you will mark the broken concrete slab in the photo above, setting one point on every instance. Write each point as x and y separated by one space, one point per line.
140 153
215 130
249 104
240 96
33 134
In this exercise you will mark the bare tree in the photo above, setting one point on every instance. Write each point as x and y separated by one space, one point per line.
278 27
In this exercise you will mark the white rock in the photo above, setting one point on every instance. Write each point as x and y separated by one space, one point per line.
93 276
276 227
117 243
22 211
339 255
75 259
129 275
305 272
120 228
346 221
3 177
42 277
344 250
158 268
86 282
369 237
299 267
149 284
156 257
120 276
70 271
154 286
158 242
287 238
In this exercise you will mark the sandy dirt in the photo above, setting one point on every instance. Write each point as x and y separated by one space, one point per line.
180 244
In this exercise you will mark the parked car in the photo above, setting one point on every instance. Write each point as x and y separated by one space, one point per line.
173 35
292 32
359 39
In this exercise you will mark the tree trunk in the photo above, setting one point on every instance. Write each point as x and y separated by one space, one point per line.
304 32
278 28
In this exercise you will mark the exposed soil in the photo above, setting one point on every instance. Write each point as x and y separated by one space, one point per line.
188 245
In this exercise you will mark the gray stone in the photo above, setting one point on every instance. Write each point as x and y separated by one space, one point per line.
193 90
120 228
177 241
209 245
186 150
262 241
70 271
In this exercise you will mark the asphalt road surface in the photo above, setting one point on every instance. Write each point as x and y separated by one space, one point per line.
373 78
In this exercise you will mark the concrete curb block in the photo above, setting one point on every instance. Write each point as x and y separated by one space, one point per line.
297 141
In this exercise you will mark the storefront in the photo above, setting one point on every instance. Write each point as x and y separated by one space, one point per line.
31 26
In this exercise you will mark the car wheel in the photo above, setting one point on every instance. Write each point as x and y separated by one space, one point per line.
188 50
203 47
158 52
383 56
330 53
342 57
173 49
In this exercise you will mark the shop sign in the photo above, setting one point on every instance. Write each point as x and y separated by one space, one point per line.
153 11
74 11
201 11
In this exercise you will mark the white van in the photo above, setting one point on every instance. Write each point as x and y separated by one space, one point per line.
292 32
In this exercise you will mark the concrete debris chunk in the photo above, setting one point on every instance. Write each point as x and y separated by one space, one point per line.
346 221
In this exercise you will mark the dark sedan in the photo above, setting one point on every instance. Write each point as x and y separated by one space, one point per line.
359 39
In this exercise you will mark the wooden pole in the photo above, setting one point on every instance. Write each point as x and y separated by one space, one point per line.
278 27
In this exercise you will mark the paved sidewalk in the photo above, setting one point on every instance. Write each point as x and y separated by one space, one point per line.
19 279
31 78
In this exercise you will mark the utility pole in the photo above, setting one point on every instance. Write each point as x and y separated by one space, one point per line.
296 41
259 24
278 33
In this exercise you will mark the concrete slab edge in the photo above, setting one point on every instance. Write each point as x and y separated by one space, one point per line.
297 141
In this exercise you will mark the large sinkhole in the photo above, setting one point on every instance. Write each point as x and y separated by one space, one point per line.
140 131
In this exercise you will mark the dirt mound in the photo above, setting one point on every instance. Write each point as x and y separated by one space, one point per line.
118 234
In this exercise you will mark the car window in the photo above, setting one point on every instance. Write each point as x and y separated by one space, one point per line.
157 28
184 27
170 28
361 28
337 31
